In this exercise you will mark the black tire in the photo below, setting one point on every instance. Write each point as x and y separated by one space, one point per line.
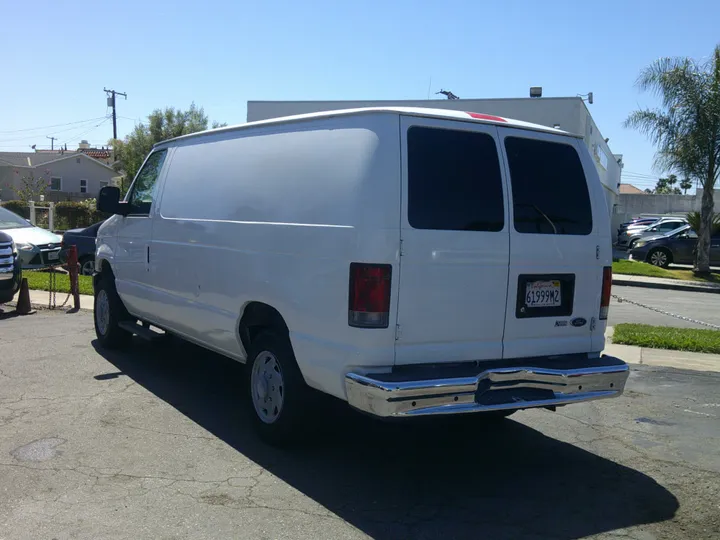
108 332
283 425
659 257
88 261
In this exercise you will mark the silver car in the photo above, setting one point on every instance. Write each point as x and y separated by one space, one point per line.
36 247
663 225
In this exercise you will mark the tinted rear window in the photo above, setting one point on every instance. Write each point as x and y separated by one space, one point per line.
550 194
454 181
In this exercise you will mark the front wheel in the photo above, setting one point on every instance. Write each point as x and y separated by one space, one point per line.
659 257
279 397
109 312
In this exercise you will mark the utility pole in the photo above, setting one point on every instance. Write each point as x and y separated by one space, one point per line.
52 142
111 103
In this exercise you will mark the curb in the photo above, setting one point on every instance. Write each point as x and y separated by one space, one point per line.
665 286
44 307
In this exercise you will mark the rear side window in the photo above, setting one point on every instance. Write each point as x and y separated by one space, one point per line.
454 181
550 193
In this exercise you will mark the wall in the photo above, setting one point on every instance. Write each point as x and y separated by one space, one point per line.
630 205
571 114
75 168
7 183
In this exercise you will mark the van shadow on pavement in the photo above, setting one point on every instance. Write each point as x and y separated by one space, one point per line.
458 479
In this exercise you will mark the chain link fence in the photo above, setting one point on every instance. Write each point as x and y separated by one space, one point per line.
622 299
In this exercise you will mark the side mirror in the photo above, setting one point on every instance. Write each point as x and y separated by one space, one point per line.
108 201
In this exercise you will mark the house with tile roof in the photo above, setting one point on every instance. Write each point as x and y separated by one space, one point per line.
69 175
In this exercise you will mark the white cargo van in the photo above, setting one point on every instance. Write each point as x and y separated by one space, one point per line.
409 261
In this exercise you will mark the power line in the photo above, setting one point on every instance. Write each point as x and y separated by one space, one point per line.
29 137
55 125
88 131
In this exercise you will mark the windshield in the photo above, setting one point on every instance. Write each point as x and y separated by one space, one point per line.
10 220
681 230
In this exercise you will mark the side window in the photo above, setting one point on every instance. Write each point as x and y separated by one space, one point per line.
549 189
454 181
143 189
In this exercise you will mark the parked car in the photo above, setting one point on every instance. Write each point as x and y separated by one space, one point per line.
664 225
36 247
636 222
394 278
676 247
84 240
10 268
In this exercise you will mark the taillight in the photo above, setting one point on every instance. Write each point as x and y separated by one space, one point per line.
606 289
369 302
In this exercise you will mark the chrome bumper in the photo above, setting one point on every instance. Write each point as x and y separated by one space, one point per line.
496 385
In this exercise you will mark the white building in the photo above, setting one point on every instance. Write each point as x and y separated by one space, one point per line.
569 114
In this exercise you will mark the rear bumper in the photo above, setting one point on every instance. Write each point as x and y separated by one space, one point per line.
487 386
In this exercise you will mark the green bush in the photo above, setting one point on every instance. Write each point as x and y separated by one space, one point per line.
19 207
68 214
72 215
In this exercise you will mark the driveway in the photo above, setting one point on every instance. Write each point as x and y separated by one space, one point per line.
155 443
699 306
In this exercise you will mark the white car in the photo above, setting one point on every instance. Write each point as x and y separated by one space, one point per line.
408 261
36 247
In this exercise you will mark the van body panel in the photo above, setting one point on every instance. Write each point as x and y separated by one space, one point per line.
133 277
453 283
549 256
281 232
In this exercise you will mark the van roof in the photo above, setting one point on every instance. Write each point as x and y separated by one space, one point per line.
407 111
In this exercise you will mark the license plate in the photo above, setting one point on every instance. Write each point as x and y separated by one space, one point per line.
543 294
53 255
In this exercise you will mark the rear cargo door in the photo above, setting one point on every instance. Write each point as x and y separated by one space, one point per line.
454 243
555 272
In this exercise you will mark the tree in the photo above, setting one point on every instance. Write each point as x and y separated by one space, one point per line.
666 186
685 184
686 129
31 188
161 125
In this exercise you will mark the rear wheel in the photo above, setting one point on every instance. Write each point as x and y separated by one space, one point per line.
109 312
659 257
279 397
87 266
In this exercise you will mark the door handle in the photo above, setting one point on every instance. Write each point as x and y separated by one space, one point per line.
147 250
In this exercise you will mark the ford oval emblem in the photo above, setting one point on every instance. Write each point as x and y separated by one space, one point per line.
578 322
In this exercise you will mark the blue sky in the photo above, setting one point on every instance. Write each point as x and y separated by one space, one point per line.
58 56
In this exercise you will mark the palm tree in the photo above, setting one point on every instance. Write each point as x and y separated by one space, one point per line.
686 129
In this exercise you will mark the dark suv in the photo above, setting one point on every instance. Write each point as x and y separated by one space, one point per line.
677 247
84 239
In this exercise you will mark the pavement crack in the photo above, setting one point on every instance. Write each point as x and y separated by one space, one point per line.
159 432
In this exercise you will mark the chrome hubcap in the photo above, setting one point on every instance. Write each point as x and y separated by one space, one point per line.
659 258
267 387
87 268
102 312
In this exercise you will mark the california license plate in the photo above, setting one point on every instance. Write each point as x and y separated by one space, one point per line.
53 255
543 294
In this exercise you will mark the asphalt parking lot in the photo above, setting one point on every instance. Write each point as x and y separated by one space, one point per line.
155 443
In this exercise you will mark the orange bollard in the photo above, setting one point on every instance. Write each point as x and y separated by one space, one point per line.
23 306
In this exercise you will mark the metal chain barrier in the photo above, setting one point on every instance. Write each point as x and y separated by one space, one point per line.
53 288
622 299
